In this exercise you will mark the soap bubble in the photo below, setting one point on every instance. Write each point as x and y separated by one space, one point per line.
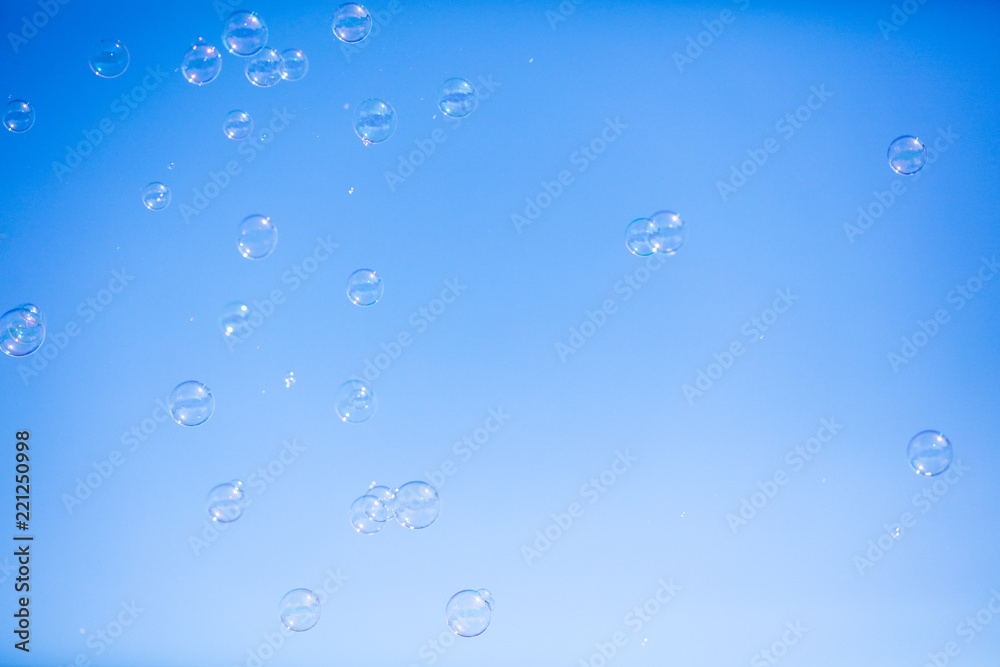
468 614
351 23
929 453
294 64
381 505
364 287
109 58
237 125
907 155
299 609
191 403
356 402
418 505
244 33
18 116
201 64
256 237
226 502
235 320
359 518
374 121
672 231
156 196
486 596
642 237
289 379
457 98
264 69
22 330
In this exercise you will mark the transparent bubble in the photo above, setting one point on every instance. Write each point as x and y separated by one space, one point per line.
356 402
294 64
457 98
351 23
156 196
235 320
418 505
359 518
264 69
109 58
244 33
289 380
486 596
468 614
374 121
22 330
907 155
672 231
226 502
929 453
642 236
364 287
191 403
382 504
201 64
299 609
237 125
18 116
256 237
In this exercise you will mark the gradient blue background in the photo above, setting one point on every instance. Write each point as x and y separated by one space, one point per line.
494 347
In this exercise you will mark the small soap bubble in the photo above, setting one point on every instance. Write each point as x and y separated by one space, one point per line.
907 155
244 33
418 505
299 609
201 64
486 596
237 125
364 287
468 614
351 22
109 58
264 69
381 505
226 502
457 98
289 380
191 403
294 64
672 231
642 237
156 196
256 237
356 402
374 121
235 320
22 330
18 116
929 453
358 516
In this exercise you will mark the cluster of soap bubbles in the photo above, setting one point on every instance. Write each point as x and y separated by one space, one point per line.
414 505
663 232
469 612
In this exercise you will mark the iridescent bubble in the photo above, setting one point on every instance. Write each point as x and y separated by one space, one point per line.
18 116
358 516
907 155
418 505
468 614
191 403
237 125
22 330
642 237
351 23
264 69
235 320
672 231
201 64
226 502
109 58
356 402
256 237
156 196
457 98
244 33
381 505
929 453
364 287
294 64
374 121
299 609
